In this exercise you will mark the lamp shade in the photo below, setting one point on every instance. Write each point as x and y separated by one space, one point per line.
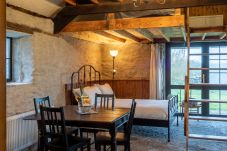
113 53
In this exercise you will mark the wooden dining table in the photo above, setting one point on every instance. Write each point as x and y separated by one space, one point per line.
110 120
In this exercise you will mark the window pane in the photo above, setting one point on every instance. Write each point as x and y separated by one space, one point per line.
195 61
223 56
195 94
223 105
214 77
214 49
7 68
223 49
223 78
215 108
178 65
223 63
214 57
195 50
214 64
8 48
195 76
180 93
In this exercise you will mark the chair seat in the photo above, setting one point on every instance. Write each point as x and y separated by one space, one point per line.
71 130
74 143
104 137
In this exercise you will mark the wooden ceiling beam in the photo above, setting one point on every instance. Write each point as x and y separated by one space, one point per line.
128 35
204 36
146 33
110 36
60 21
159 32
69 12
183 33
223 36
193 39
130 23
70 2
208 29
115 7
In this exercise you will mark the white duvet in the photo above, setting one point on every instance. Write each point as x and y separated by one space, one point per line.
146 108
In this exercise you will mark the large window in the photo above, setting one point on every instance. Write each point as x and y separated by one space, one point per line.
8 59
208 64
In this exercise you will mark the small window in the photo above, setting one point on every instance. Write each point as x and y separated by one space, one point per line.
8 59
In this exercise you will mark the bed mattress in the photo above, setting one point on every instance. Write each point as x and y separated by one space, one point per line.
146 108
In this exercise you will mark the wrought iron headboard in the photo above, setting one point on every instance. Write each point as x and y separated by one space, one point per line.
86 75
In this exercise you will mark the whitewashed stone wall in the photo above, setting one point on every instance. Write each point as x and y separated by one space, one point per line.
54 58
132 62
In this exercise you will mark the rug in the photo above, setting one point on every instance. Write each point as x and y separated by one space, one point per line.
155 139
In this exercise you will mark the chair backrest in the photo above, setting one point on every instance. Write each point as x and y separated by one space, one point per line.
53 125
102 101
169 96
45 101
128 129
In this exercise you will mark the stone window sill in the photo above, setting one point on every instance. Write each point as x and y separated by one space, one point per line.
17 83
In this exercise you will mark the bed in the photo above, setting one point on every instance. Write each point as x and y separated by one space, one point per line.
158 113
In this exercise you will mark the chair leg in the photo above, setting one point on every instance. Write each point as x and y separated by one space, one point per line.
104 146
177 120
125 147
98 147
168 133
88 146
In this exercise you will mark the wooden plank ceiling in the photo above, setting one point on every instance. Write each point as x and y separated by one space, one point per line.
127 21
159 28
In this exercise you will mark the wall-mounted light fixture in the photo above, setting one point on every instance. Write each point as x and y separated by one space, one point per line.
113 53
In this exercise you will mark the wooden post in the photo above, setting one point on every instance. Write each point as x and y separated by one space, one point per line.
187 87
2 75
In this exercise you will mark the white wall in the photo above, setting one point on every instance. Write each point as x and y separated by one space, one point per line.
53 60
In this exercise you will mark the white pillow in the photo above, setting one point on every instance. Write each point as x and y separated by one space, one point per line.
90 92
105 89
76 92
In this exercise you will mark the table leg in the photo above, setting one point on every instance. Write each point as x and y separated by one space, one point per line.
113 138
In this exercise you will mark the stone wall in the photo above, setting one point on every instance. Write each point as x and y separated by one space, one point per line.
54 59
131 63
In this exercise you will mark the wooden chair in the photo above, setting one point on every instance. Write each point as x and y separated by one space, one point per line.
54 132
104 138
103 104
102 101
45 102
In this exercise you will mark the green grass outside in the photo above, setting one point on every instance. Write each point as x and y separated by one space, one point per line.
214 95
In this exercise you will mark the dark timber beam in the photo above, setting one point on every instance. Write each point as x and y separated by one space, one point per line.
60 20
69 12
147 5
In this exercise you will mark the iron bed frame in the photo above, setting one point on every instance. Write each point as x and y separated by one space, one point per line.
80 77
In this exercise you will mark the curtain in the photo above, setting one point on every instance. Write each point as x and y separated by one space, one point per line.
157 71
